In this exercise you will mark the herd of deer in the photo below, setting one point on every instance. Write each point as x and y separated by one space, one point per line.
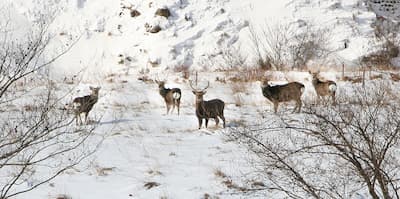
215 108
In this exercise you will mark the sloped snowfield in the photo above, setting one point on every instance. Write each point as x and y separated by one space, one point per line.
143 145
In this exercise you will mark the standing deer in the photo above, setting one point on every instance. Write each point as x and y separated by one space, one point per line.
323 88
85 104
208 109
172 97
283 93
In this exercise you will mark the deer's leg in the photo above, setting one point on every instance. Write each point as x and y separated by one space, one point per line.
295 107
206 122
200 122
86 116
216 120
223 119
178 104
173 107
334 98
298 105
80 119
276 104
168 107
76 119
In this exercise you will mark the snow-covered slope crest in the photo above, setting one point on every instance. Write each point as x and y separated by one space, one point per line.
193 36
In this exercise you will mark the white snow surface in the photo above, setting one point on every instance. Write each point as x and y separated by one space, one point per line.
143 143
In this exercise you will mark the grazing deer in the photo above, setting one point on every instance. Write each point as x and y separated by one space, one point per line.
208 109
172 96
324 88
283 93
85 104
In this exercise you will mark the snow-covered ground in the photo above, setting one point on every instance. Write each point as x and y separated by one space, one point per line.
142 143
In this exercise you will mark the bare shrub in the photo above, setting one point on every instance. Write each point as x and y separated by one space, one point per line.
35 146
269 45
283 45
310 44
344 151
385 45
232 58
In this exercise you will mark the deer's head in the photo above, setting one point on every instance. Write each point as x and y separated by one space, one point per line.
161 84
199 93
95 90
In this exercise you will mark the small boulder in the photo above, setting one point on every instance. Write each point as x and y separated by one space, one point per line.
152 29
164 12
135 13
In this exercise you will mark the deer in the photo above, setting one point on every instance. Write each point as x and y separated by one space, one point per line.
172 96
283 93
323 88
85 104
208 109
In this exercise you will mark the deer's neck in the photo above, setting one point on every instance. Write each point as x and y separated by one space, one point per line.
94 98
164 91
199 103
315 81
267 91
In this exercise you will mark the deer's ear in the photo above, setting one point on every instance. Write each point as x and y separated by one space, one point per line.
99 87
91 87
204 92
194 92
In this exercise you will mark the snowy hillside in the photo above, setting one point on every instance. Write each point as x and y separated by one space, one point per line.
117 42
195 33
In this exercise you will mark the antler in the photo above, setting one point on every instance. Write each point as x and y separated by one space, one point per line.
157 78
196 89
208 84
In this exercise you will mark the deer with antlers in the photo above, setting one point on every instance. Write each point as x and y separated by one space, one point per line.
323 88
172 96
283 93
208 109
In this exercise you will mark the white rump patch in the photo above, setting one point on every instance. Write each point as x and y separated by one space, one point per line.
76 105
302 90
332 87
176 95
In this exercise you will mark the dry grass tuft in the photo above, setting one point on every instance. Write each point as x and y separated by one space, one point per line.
395 77
219 173
372 77
246 75
103 171
356 79
208 196
149 185
229 182
63 196
145 79
154 172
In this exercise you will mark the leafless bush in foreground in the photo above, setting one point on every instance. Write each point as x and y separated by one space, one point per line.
341 151
36 144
